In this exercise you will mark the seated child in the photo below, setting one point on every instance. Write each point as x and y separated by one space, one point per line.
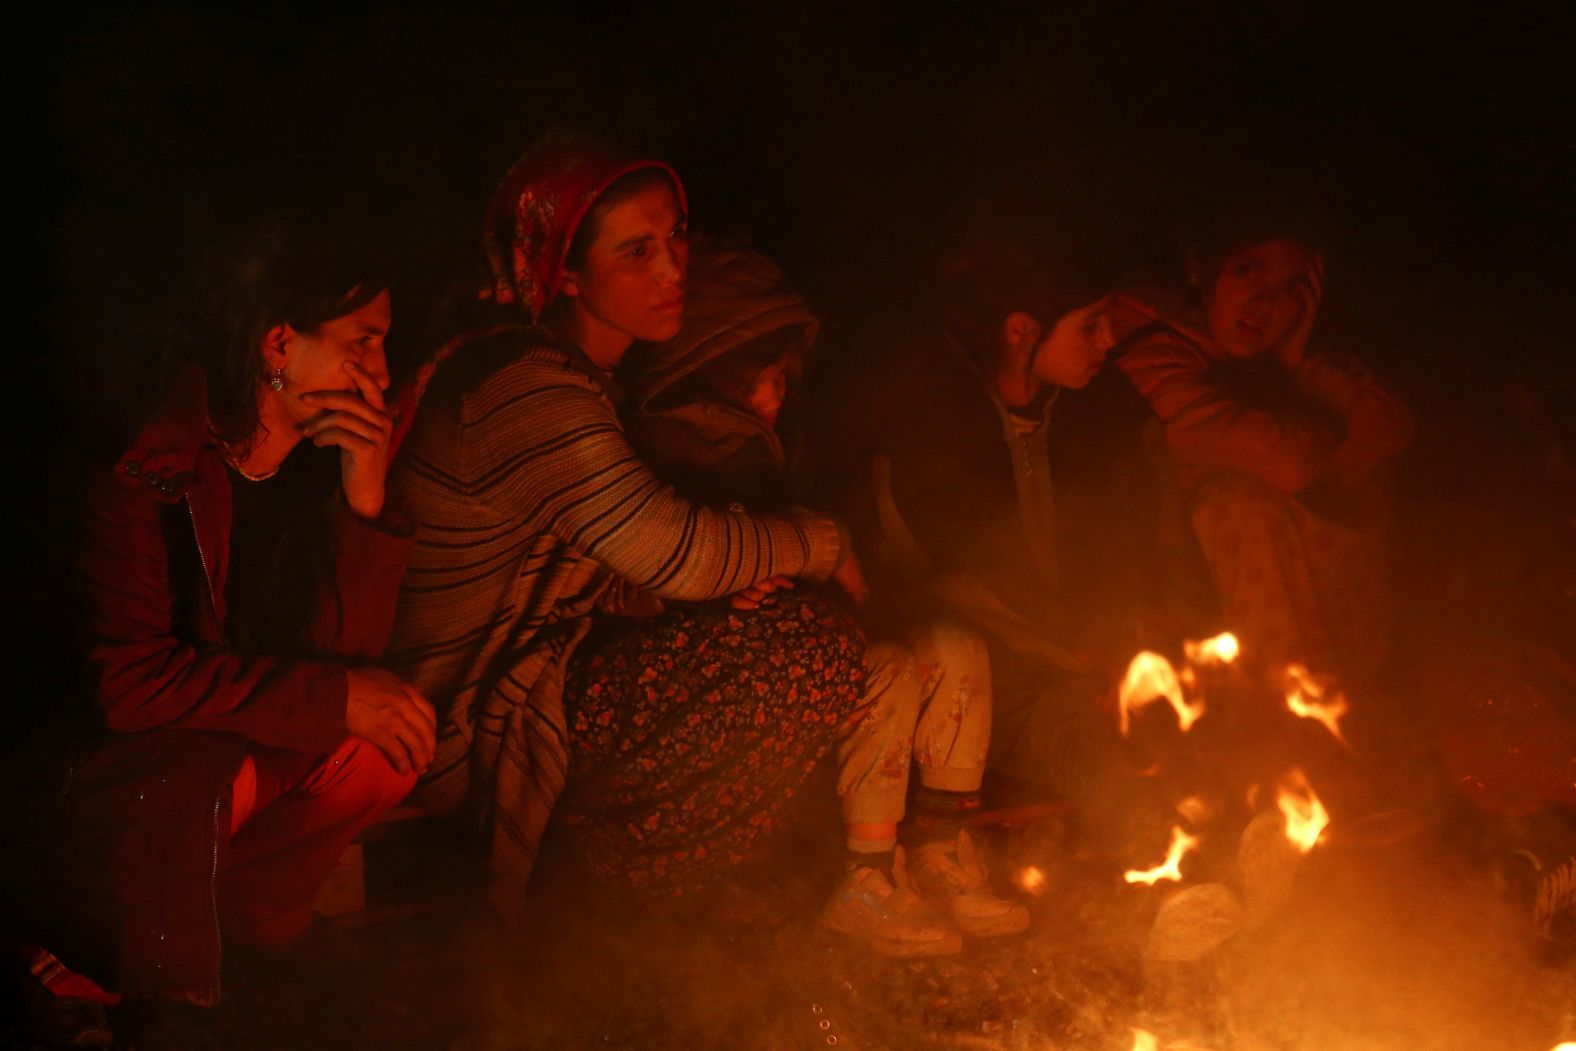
1283 451
712 412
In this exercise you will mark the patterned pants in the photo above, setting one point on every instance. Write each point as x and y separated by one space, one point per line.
927 705
691 731
1295 585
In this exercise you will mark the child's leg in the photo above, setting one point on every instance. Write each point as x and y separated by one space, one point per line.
952 736
950 746
874 902
873 759
1252 537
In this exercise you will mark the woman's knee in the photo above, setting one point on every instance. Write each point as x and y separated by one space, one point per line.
361 774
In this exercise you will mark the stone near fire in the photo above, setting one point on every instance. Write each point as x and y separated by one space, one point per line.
1194 923
1267 863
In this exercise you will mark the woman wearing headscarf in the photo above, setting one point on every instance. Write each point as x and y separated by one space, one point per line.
534 512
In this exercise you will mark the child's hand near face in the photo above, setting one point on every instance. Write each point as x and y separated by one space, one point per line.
1309 291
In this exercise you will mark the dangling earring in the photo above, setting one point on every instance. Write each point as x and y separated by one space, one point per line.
276 379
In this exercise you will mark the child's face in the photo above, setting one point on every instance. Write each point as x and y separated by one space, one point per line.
769 391
1071 352
1255 301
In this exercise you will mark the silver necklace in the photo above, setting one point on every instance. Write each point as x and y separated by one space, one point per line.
235 464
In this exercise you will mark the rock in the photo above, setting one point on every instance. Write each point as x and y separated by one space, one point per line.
1267 862
1194 923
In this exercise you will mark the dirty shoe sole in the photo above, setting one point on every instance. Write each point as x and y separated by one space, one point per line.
992 922
948 943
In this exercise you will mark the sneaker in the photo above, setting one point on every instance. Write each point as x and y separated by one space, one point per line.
952 872
887 914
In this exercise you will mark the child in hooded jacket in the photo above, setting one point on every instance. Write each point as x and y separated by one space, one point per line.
713 413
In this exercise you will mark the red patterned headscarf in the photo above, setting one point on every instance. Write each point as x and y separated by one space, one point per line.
538 207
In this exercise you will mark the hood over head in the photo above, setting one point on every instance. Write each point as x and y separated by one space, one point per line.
735 297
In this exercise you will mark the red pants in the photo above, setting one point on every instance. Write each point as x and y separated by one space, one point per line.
292 815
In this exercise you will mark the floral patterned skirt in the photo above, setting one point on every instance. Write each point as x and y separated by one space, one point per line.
690 731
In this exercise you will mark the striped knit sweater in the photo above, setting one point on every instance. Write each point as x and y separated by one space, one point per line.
530 505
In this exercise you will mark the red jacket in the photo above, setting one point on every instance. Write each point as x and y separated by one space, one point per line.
142 817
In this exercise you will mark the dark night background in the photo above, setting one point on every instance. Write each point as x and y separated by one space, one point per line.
843 137
846 139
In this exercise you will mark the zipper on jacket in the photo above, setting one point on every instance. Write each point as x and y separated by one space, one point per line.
213 900
207 574
218 801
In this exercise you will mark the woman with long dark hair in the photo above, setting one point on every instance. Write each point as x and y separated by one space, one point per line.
239 564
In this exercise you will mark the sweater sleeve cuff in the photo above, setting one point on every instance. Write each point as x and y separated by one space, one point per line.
828 539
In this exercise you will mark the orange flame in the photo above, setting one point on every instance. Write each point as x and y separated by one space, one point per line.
1144 1040
1222 649
1149 678
1306 817
1312 698
1032 880
1170 868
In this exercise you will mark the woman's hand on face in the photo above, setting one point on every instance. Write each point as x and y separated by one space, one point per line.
386 710
359 423
752 596
1309 294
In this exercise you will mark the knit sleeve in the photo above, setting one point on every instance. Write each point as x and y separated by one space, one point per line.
541 443
1206 427
1378 422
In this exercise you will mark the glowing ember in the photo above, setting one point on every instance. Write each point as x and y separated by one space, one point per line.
1310 698
1305 815
1170 868
1031 879
1144 1040
1195 809
1222 649
1150 678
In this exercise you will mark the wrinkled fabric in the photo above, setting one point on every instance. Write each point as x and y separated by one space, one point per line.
928 708
1332 417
